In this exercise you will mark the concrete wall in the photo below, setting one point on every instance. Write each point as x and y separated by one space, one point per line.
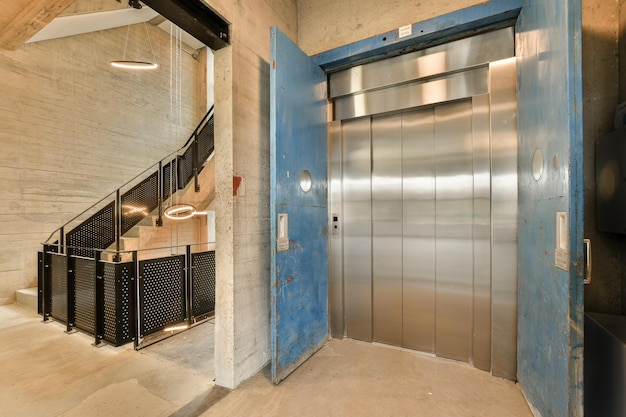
327 24
601 96
621 41
72 130
242 150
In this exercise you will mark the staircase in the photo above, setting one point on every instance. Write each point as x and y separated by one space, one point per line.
152 239
122 270
109 223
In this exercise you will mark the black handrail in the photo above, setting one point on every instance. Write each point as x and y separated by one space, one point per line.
192 142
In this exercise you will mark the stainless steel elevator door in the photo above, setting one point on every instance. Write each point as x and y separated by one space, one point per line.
454 214
418 230
357 227
408 195
387 228
418 249
423 249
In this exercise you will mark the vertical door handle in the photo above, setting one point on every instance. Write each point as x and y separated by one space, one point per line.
588 262
282 240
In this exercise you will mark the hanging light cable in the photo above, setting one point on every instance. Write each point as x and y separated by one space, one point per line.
135 64
176 211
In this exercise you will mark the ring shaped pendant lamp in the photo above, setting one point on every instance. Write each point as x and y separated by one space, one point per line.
180 211
136 64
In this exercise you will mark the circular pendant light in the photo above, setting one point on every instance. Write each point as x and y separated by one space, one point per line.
135 65
180 211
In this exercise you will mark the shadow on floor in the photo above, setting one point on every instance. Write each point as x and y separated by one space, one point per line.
193 349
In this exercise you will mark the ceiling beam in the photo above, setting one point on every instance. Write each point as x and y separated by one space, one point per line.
30 20
195 18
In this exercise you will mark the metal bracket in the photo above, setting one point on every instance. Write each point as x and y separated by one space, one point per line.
588 262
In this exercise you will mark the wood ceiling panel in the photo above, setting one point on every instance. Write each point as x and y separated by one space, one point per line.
94 6
18 24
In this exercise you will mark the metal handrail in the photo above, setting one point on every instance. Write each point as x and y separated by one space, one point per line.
134 250
171 155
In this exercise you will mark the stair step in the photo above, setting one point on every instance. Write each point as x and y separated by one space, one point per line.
149 220
134 232
124 257
27 297
129 243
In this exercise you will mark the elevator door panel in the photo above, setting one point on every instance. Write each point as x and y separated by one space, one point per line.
418 250
454 229
482 233
387 228
427 258
357 227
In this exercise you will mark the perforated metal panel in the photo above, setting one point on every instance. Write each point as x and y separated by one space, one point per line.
203 283
170 182
85 294
161 293
118 293
139 201
110 311
185 168
58 299
98 232
205 142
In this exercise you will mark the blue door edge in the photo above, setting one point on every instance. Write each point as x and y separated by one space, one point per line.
576 216
273 211
278 377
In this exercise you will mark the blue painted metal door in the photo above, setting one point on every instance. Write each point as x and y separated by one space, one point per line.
298 200
550 316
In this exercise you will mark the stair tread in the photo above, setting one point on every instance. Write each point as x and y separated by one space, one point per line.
27 297
29 291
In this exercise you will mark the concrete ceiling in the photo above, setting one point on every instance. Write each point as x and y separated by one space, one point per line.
25 21
79 24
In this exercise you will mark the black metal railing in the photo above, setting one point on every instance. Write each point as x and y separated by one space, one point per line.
103 224
118 302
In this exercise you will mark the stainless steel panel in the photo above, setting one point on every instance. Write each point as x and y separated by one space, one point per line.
387 228
482 233
452 56
504 217
418 260
454 229
405 96
357 228
335 254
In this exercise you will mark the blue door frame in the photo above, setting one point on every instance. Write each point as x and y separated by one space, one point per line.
550 299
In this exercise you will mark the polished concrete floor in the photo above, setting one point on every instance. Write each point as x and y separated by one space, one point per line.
45 372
